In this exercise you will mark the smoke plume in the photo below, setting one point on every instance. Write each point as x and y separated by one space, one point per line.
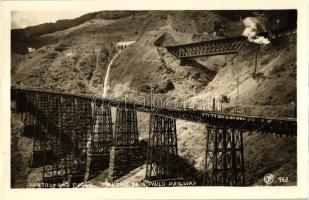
251 24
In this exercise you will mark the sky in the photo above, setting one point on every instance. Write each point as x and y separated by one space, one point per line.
22 19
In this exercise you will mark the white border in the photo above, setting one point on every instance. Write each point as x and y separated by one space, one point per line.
288 192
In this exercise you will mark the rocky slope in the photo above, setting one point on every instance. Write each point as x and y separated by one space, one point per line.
74 57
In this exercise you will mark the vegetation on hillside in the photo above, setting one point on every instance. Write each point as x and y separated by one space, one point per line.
72 56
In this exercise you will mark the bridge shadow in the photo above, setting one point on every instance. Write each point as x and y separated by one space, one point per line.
183 170
210 74
189 173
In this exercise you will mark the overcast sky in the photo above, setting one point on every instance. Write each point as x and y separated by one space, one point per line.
22 19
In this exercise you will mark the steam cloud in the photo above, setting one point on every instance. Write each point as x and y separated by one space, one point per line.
251 24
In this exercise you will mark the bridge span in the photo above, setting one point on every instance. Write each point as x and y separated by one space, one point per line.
75 141
221 46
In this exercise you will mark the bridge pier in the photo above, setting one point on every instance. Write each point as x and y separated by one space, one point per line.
68 121
99 141
52 110
224 162
28 105
162 161
80 125
125 153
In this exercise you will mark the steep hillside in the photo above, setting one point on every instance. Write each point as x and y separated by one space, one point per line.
66 47
74 58
276 86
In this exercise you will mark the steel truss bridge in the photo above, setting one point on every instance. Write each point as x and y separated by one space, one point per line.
74 138
220 46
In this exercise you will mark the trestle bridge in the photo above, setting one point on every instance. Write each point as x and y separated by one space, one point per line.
75 140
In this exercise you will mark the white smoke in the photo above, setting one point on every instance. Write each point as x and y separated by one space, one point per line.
31 49
251 24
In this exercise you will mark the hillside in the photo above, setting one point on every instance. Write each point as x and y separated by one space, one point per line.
72 56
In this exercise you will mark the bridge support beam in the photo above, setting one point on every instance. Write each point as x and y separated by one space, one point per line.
99 141
67 123
224 163
42 142
52 112
80 125
125 153
162 161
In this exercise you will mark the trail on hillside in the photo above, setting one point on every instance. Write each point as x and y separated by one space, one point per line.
85 81
97 65
106 80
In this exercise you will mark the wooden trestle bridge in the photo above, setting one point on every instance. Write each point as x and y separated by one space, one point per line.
75 141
